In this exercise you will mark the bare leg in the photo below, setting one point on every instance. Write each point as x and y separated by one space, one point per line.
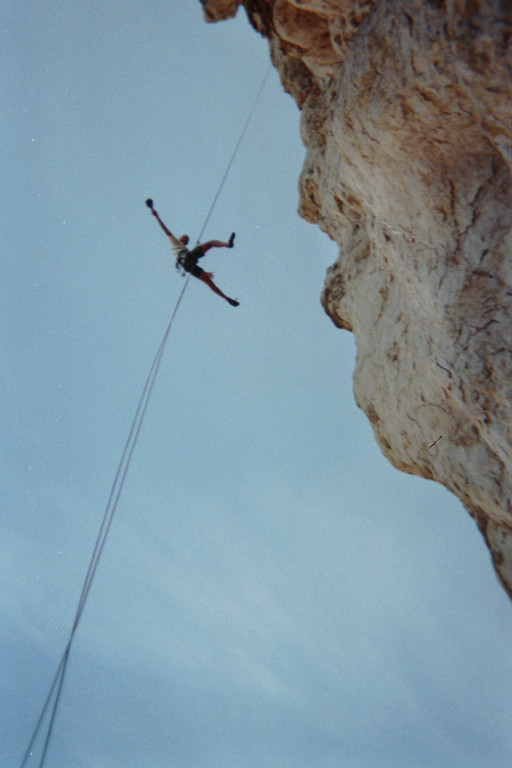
206 277
217 244
213 244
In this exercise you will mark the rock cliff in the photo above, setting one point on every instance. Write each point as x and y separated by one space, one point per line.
406 117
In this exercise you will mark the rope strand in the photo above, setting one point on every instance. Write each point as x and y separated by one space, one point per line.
235 151
108 516
118 484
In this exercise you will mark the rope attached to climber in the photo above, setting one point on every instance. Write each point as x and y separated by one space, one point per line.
50 707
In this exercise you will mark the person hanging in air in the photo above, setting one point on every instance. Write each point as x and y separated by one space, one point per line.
187 259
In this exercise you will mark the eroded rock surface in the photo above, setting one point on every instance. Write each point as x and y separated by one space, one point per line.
407 121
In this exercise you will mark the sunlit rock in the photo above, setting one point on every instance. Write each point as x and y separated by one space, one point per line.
406 117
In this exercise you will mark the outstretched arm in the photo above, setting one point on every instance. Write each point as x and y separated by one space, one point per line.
157 217
149 203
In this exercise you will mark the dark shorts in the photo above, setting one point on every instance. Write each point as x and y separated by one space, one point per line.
190 261
195 270
196 253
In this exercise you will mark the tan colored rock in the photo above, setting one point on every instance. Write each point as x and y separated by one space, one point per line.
220 10
407 120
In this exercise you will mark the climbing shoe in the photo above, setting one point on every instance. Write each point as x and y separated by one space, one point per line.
231 240
234 302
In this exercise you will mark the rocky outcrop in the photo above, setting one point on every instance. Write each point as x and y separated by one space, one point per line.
406 117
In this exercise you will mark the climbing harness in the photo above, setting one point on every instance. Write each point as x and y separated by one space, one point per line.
180 262
50 707
186 261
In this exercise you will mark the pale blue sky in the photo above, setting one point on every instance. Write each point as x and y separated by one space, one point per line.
272 594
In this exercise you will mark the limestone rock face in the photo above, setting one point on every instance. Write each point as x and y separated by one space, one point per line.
407 121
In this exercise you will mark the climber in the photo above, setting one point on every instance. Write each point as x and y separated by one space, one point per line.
187 259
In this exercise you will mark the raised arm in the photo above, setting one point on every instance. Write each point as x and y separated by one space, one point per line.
149 204
157 217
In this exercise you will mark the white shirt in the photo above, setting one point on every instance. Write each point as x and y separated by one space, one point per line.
178 248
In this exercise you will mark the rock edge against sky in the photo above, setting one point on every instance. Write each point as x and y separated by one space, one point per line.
406 118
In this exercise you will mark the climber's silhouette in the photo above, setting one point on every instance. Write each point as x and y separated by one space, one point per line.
187 260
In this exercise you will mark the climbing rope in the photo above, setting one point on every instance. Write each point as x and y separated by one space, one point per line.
51 704
110 509
235 151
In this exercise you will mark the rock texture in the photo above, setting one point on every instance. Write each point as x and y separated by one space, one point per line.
406 117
